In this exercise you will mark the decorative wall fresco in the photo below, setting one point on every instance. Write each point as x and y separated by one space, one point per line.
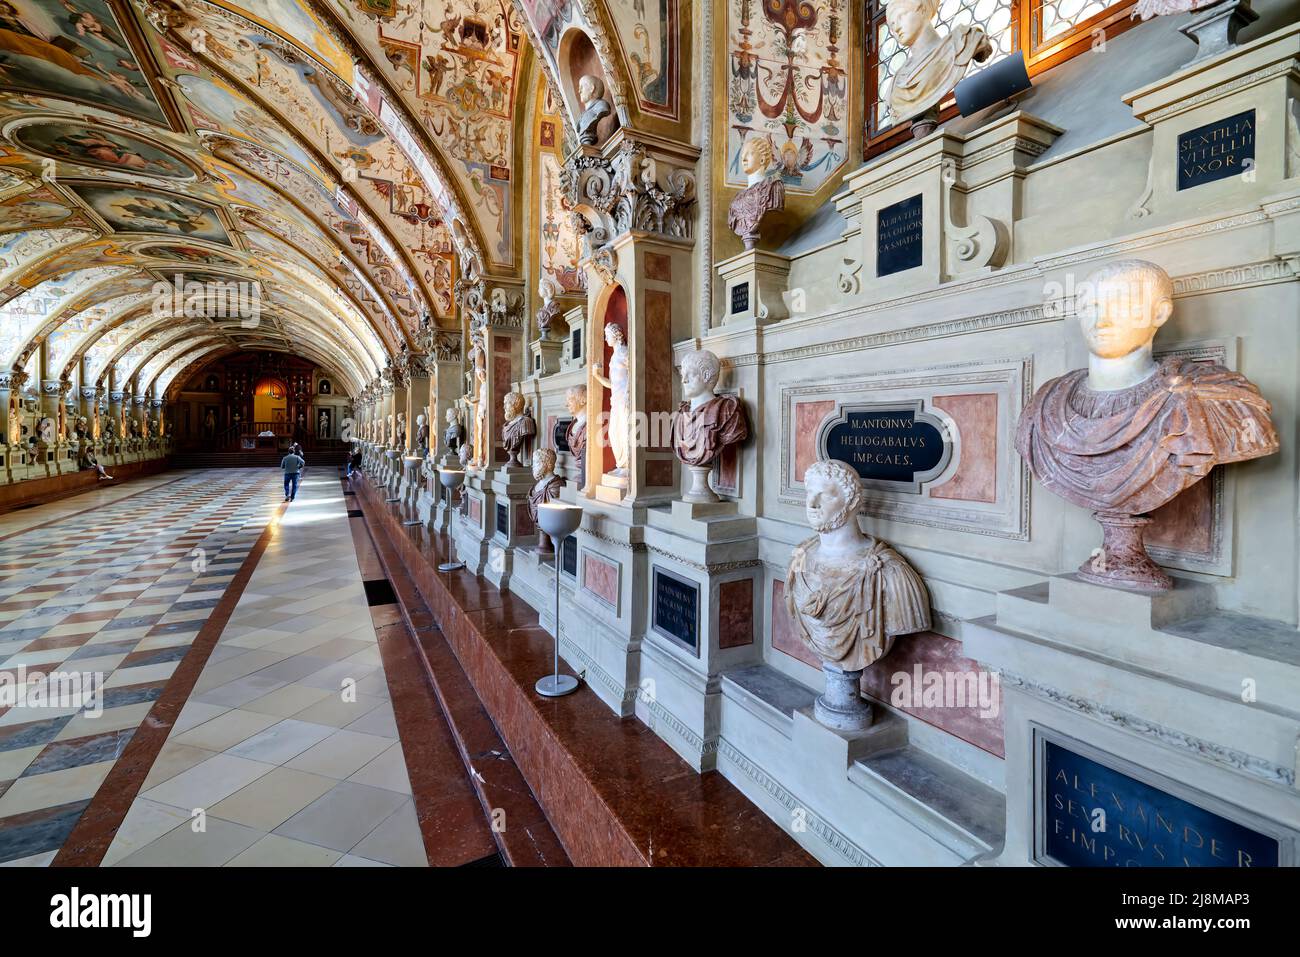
787 79
647 33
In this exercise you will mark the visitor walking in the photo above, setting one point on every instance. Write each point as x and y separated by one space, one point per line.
292 465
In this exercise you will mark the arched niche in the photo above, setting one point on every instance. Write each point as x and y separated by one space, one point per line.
578 58
612 311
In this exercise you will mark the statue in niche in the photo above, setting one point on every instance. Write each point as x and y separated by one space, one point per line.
619 400
454 435
548 289
546 488
422 435
591 94
482 441
388 429
519 428
763 195
934 64
848 595
1127 434
575 434
705 423
323 425
45 430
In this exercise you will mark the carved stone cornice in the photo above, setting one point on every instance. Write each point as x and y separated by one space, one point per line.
634 187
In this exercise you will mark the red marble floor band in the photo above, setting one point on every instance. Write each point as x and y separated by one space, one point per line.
614 793
94 832
523 834
452 825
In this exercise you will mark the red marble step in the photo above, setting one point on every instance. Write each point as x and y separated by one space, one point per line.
615 794
452 825
521 831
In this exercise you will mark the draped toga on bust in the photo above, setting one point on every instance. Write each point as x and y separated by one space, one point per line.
849 610
1129 451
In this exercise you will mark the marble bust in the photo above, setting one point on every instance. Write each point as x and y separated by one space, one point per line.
546 488
848 595
591 94
421 436
761 196
705 423
575 434
934 63
1127 434
619 400
548 289
519 428
454 434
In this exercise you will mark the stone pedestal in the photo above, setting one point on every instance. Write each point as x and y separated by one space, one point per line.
512 527
1164 689
756 282
841 706
544 357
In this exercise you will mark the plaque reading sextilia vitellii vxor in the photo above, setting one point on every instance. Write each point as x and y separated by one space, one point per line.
894 445
1217 150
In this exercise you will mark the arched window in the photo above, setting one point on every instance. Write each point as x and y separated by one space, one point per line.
1048 31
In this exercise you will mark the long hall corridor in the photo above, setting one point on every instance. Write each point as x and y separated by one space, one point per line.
236 708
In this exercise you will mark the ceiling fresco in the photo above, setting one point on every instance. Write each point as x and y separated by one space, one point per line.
148 142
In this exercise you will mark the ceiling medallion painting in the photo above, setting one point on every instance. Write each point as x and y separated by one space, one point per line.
188 255
133 209
99 148
75 50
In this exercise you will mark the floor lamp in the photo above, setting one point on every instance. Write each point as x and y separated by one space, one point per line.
558 520
451 480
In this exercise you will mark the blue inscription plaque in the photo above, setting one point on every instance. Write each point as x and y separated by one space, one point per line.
561 434
890 445
1216 150
575 343
569 556
503 520
1092 815
898 236
676 609
739 297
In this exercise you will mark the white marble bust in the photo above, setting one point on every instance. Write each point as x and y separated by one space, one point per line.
848 595
934 63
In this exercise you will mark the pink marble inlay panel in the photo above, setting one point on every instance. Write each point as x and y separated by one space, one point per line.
736 613
976 416
524 525
783 637
658 267
807 417
726 471
1185 524
944 691
475 511
659 472
600 578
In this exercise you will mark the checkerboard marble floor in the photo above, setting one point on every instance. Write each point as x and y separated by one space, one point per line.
286 752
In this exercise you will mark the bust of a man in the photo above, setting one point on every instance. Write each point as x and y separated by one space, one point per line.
454 434
575 434
763 194
591 94
848 595
934 63
1127 434
548 289
546 488
421 436
705 423
519 428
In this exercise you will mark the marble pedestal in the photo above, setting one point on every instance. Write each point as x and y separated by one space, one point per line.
512 526
1163 688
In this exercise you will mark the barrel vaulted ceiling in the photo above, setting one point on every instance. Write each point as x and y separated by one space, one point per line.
344 159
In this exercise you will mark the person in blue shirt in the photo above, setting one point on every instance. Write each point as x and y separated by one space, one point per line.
292 465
